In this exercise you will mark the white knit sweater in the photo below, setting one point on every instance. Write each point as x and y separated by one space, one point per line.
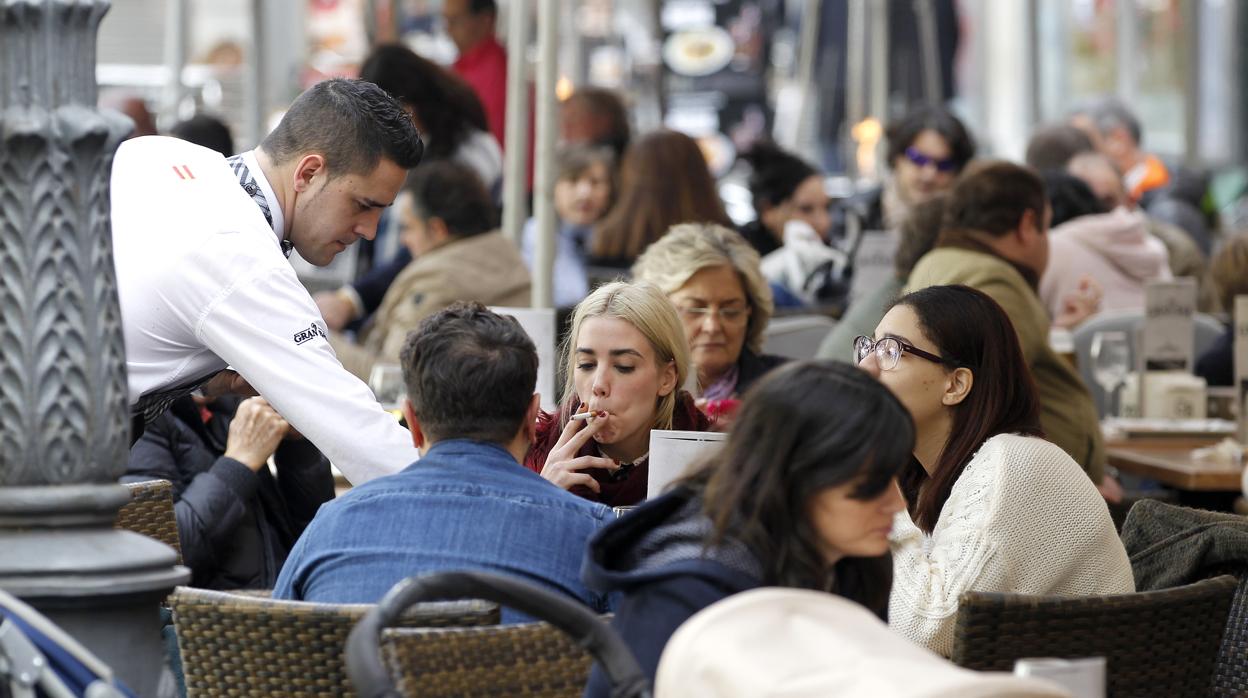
1023 518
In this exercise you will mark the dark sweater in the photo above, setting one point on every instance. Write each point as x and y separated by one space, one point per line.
655 558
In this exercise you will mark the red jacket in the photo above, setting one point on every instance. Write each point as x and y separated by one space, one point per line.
630 490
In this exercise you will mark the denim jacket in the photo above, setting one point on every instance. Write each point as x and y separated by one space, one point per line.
464 505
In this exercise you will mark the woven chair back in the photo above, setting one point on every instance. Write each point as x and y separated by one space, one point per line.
530 659
150 513
246 645
1155 643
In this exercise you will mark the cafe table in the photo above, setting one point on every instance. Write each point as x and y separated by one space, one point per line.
1170 462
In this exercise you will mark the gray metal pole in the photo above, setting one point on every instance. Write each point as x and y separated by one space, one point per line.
176 23
64 406
1126 30
516 132
254 102
879 76
544 186
929 50
1191 86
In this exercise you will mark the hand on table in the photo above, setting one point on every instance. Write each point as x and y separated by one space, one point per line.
255 433
563 465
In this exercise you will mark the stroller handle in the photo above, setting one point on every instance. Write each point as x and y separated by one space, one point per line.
371 679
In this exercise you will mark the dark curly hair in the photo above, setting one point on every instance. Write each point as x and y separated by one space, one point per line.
902 133
446 107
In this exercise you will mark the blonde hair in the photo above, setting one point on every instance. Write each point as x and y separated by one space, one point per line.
689 248
1229 271
646 308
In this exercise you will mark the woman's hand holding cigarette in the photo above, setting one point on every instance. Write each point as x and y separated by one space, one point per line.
563 465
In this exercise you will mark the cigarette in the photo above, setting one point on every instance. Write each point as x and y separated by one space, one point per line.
586 415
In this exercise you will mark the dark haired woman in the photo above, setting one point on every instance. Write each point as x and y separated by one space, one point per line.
784 188
990 505
803 495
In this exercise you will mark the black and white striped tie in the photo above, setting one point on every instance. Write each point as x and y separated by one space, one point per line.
248 183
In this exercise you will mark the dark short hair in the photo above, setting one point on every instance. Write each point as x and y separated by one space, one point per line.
446 106
1051 147
902 133
470 374
774 174
205 130
972 331
1070 197
352 123
453 193
991 197
918 233
476 7
803 428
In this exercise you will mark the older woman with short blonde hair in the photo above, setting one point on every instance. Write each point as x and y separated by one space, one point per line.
711 274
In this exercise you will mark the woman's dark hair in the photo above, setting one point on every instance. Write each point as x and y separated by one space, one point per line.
775 174
453 193
605 115
664 180
902 132
1069 196
803 428
918 233
972 331
445 106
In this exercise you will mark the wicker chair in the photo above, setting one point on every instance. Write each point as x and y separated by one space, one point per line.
242 645
1156 643
533 659
150 513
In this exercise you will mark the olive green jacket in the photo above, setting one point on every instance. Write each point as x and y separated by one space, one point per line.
1067 413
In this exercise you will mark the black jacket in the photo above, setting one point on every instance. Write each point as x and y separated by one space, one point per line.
654 559
236 527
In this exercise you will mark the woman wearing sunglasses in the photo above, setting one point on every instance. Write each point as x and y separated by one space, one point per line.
990 505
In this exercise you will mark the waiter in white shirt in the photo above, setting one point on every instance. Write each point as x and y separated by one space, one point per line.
200 244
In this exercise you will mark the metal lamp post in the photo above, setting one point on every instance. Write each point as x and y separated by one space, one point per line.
64 422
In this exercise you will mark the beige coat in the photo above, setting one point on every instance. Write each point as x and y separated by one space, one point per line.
486 268
1067 413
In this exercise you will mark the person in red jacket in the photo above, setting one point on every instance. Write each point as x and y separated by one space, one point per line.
482 60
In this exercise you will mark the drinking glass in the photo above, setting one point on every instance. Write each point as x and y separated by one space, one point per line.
386 380
1111 362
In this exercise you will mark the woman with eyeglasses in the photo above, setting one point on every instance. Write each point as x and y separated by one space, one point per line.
711 275
626 361
990 505
802 495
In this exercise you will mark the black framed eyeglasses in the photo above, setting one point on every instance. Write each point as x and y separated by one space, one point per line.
888 351
921 160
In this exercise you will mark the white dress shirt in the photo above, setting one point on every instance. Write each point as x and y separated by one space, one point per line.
203 285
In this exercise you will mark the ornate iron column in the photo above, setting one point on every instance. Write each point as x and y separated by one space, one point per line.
64 424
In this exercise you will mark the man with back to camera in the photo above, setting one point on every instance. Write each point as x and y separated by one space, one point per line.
468 503
200 244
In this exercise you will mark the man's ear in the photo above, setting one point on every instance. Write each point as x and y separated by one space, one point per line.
413 424
309 166
667 379
1028 226
959 385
